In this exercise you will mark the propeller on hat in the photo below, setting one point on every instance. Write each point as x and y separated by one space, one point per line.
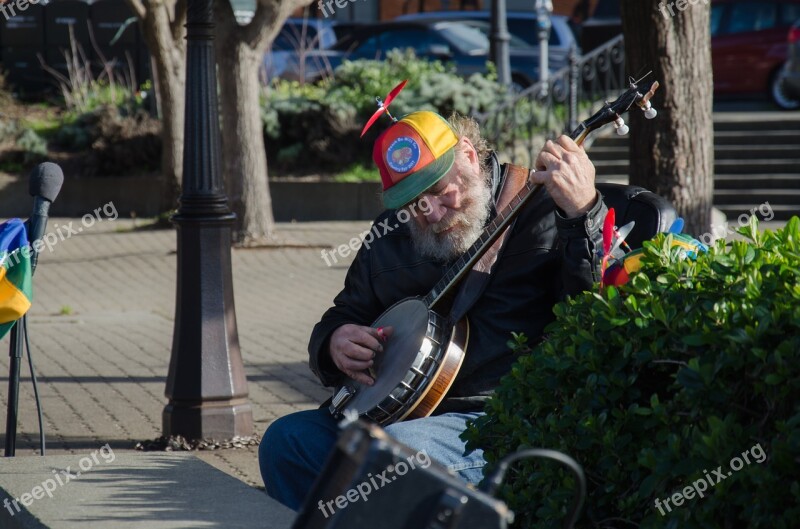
383 107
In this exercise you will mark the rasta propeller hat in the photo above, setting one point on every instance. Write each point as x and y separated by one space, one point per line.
412 154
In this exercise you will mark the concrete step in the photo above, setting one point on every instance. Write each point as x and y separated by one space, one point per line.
610 140
609 153
721 137
766 137
781 212
742 183
131 491
757 126
756 121
754 166
746 182
758 196
753 152
759 166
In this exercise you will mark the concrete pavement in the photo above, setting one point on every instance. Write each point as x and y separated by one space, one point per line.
130 491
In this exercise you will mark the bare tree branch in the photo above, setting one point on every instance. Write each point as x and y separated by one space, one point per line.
262 25
179 19
260 32
226 19
138 8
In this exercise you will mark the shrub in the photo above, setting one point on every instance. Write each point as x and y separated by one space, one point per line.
313 126
123 144
649 385
32 145
111 143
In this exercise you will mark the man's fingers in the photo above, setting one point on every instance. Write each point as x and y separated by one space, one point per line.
366 340
357 352
387 331
350 364
541 177
547 160
360 377
568 144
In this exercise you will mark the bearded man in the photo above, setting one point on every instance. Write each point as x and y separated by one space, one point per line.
439 176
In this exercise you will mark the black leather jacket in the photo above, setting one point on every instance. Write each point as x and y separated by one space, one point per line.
546 258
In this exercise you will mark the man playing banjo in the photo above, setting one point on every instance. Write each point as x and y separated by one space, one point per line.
440 176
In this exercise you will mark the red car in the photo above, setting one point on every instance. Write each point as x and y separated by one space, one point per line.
749 47
748 42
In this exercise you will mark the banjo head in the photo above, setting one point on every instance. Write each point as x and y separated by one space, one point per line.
409 358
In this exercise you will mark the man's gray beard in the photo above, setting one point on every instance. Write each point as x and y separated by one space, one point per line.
445 247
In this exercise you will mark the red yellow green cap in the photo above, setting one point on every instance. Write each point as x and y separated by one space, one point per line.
412 155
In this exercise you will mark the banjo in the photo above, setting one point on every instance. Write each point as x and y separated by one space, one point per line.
421 360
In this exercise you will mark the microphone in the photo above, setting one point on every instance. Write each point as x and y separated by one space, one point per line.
43 185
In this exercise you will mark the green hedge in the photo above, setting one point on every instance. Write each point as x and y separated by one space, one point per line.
317 127
649 385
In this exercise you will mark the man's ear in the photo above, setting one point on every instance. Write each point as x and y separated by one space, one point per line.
469 149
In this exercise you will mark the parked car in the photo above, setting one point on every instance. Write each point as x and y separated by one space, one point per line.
297 37
748 43
521 24
749 47
466 46
792 72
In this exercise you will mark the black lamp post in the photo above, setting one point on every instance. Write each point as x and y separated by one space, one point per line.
206 386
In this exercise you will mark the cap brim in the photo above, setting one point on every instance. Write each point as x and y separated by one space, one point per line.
413 185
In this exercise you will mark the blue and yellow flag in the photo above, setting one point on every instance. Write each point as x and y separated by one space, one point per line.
15 274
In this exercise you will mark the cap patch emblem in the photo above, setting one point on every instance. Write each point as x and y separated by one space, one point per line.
403 154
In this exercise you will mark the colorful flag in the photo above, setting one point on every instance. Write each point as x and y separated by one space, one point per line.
15 274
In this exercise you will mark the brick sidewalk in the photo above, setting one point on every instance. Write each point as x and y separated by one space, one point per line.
101 333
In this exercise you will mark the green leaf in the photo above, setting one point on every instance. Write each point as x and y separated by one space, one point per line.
693 339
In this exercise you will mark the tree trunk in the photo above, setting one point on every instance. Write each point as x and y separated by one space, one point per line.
673 155
163 30
244 153
171 91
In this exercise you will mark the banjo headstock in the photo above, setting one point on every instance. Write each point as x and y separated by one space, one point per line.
638 93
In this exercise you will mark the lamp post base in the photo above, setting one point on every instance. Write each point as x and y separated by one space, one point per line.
209 419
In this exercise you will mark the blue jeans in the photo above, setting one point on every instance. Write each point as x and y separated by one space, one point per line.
294 449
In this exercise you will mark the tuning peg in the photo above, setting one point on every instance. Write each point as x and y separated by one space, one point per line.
649 111
622 128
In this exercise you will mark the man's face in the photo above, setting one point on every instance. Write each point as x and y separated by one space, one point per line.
457 208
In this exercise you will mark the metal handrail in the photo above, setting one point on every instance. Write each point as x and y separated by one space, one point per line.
519 125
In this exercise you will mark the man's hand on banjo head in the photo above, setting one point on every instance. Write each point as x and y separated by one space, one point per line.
353 349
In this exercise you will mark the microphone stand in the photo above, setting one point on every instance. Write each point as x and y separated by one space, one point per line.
15 353
44 184
17 335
